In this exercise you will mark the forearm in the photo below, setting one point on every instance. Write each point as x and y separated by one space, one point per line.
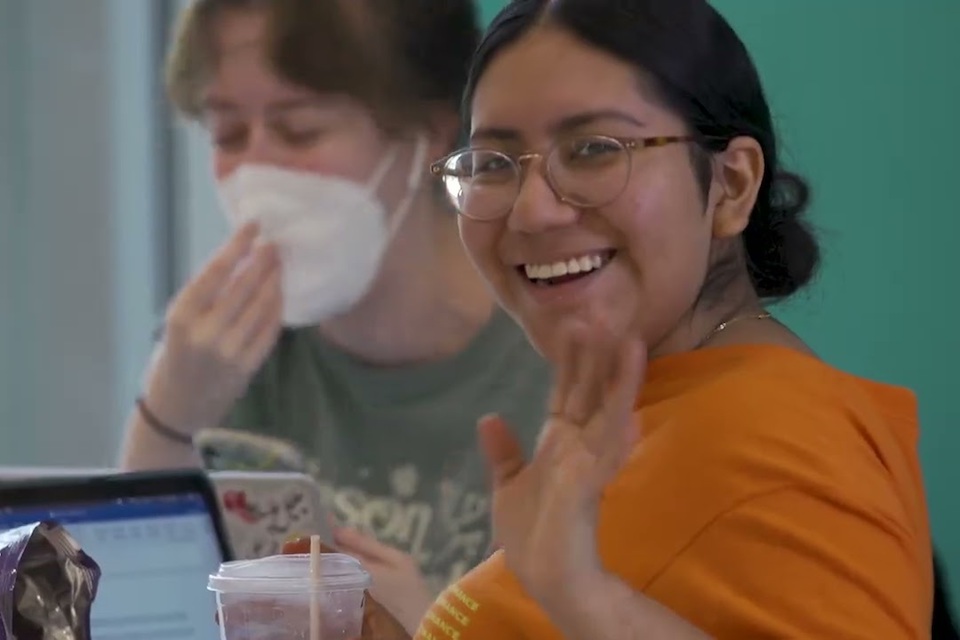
607 608
145 449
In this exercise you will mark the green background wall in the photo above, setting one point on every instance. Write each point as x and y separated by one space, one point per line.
867 96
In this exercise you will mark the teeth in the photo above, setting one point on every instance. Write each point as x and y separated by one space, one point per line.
581 264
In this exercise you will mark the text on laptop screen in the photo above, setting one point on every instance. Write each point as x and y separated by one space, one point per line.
155 554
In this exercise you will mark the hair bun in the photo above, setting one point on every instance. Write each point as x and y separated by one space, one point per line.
789 196
782 250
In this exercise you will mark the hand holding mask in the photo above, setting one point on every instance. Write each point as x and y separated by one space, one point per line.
306 247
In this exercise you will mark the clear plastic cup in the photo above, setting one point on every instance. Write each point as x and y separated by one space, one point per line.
269 598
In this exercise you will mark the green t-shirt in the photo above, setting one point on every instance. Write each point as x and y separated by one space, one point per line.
395 449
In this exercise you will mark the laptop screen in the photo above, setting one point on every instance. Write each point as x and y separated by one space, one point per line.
155 554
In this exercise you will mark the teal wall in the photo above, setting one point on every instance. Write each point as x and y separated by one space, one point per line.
866 95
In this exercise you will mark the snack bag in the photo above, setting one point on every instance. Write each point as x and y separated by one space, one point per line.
47 584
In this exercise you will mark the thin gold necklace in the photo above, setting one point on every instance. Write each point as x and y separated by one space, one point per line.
726 323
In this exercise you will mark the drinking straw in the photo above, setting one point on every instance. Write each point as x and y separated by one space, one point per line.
316 577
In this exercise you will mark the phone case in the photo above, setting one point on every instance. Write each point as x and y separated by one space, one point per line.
232 450
263 510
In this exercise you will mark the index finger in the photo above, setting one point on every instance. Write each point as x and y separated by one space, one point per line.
569 337
618 406
631 366
356 542
215 275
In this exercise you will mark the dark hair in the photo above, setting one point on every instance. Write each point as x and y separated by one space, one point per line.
398 57
703 72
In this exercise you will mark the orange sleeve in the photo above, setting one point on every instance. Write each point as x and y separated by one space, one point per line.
790 564
486 603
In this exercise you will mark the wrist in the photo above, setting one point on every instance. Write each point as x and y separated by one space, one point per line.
169 405
566 598
164 412
603 606
161 428
576 606
555 579
411 617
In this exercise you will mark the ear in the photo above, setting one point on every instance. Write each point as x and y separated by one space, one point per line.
738 173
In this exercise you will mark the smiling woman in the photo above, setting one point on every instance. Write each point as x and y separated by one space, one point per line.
600 150
623 196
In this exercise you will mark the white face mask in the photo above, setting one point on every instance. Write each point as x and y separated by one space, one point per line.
332 233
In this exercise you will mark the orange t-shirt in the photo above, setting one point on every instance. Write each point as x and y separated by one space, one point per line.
770 496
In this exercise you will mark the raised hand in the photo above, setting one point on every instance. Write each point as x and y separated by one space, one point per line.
545 511
219 330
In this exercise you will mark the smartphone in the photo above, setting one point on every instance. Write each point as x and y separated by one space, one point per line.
231 450
264 509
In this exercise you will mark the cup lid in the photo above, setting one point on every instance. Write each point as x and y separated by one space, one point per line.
289 574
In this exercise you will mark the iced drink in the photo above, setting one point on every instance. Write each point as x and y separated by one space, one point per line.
269 599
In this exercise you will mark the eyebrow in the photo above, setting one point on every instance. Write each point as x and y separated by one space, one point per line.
504 134
219 105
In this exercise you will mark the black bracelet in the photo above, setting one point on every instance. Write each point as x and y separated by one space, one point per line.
161 429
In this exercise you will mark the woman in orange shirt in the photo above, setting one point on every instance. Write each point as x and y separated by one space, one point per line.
702 472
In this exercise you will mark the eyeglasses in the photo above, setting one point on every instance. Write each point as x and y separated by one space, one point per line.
583 171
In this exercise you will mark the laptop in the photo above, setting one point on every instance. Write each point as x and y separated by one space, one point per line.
8 473
156 536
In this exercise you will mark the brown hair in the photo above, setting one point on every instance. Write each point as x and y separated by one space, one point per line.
397 57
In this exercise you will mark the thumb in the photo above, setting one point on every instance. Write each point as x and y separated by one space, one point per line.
501 449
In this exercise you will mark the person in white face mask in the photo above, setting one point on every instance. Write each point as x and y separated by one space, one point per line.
342 320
